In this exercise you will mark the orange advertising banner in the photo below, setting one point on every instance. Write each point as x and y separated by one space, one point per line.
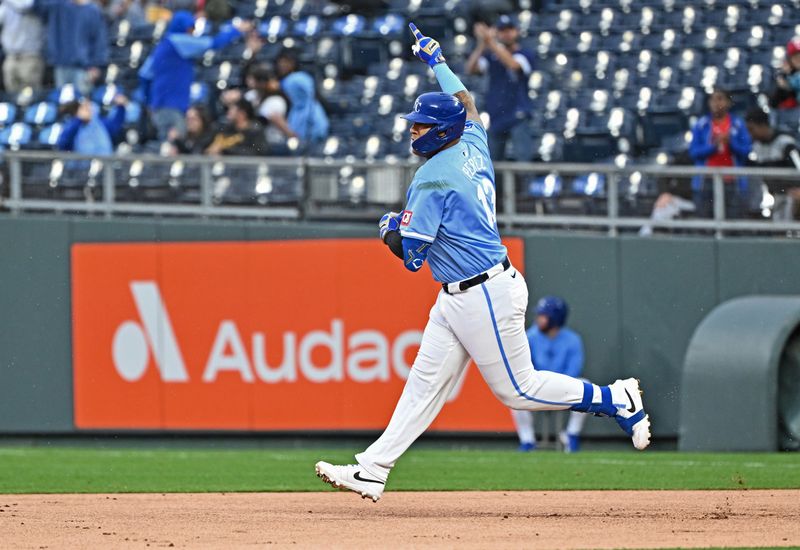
280 335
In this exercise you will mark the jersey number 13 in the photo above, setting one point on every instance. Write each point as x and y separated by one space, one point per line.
486 196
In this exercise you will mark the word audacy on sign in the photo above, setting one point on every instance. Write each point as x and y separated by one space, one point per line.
288 335
364 356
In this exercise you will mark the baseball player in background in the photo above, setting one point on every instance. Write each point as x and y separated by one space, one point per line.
554 348
449 221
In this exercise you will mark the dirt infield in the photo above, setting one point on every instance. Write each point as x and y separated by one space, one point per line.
568 519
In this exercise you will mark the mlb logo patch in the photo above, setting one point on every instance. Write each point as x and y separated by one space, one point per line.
406 218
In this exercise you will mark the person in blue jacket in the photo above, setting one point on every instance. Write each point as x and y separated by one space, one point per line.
307 119
720 139
87 132
555 348
77 41
166 76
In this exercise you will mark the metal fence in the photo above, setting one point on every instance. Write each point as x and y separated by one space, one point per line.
593 197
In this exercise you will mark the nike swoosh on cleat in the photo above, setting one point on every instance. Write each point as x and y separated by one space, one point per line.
514 276
632 408
357 475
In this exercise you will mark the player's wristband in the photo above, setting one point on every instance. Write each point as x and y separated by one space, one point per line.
448 80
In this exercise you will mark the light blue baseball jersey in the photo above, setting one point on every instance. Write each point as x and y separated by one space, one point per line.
451 204
562 354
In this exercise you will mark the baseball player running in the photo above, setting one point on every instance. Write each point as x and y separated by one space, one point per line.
449 221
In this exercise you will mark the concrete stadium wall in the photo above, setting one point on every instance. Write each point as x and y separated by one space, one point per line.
635 301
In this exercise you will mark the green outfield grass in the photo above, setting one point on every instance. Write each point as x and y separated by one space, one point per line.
70 470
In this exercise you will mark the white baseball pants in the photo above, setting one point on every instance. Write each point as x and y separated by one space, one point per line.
487 323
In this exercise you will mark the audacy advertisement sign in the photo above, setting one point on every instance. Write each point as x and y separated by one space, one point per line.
278 335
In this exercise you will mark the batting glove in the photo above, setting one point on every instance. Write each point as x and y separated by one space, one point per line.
389 222
426 49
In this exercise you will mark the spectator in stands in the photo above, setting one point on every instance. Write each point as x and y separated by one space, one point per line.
720 139
508 65
87 132
127 10
307 118
199 133
242 136
674 196
22 38
167 75
786 94
77 41
773 148
252 55
264 92
216 11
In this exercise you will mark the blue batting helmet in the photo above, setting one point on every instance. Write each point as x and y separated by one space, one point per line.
445 112
555 309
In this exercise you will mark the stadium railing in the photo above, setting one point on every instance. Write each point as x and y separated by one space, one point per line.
598 197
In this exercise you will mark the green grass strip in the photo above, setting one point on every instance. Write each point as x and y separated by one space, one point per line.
71 470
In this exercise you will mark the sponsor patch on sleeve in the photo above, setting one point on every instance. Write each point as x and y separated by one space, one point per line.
406 218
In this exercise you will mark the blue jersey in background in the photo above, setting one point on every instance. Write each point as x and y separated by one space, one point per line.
451 204
562 354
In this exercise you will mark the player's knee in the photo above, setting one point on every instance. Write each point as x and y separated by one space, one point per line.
511 400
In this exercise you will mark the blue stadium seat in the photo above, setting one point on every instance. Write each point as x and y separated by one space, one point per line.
777 14
374 146
563 21
274 27
41 114
549 147
788 119
278 185
349 25
8 113
205 27
48 136
198 92
675 143
224 75
590 185
104 95
145 32
358 54
331 147
15 136
550 185
590 145
144 176
661 122
389 25
184 181
119 54
234 184
309 27
62 95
